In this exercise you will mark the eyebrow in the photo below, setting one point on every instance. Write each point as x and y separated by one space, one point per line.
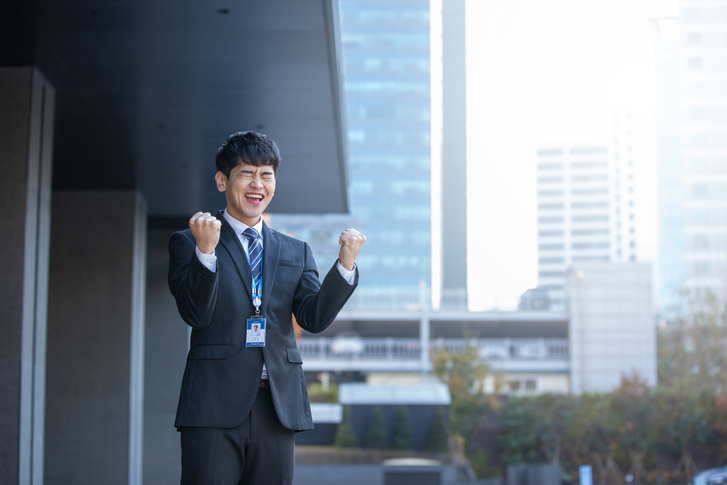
247 170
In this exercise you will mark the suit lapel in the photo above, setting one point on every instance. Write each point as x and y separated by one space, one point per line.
271 255
232 244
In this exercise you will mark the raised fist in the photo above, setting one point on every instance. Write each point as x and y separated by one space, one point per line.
351 241
206 230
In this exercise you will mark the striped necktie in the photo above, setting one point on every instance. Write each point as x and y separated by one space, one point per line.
255 255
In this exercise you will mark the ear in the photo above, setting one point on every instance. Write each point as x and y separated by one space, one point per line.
221 181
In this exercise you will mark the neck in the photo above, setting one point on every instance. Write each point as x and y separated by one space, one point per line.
248 221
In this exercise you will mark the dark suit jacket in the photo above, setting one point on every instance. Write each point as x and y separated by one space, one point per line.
222 376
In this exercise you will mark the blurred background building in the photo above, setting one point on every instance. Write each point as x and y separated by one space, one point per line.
692 153
385 61
407 153
585 210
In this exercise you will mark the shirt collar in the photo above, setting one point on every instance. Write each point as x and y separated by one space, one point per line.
239 227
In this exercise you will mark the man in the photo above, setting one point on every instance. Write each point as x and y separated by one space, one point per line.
243 393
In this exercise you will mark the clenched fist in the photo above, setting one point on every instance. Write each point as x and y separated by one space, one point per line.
351 241
206 230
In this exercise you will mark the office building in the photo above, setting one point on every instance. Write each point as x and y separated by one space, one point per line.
585 208
692 154
386 59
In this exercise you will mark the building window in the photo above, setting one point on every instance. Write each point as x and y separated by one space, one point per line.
591 245
591 258
701 242
701 268
589 218
589 232
546 220
551 247
589 191
578 165
550 193
550 274
699 190
550 166
550 180
588 150
550 152
550 206
589 178
551 260
589 205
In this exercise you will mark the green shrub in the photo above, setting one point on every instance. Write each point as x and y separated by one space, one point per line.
376 433
345 437
439 434
403 434
316 393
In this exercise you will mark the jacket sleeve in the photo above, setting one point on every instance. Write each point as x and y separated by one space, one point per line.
316 304
193 286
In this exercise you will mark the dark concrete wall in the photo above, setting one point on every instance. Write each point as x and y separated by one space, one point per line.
374 475
90 311
421 418
15 99
165 357
324 434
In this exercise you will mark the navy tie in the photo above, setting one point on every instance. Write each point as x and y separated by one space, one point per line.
255 254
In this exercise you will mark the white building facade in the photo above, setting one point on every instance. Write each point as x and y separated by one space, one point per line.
585 209
612 332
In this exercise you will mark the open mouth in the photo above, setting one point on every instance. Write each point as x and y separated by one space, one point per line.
255 198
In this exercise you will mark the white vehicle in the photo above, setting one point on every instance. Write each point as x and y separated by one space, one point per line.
714 476
347 343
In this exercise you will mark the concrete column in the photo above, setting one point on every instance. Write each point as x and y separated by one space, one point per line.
166 340
454 147
26 141
94 397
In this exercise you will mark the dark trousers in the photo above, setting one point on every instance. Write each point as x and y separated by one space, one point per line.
258 452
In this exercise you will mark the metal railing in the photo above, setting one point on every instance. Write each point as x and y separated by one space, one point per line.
399 349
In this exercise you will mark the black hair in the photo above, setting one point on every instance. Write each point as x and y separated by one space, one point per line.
247 147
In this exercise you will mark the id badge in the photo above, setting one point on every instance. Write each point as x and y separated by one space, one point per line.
255 332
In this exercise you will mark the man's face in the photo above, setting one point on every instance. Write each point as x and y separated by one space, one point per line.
248 190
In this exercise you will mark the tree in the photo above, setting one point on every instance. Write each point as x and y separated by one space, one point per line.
463 373
693 349
345 437
403 438
439 434
633 401
376 432
556 413
519 439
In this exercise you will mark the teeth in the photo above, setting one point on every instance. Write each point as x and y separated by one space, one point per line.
254 196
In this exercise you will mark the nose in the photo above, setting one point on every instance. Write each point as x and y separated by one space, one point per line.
256 181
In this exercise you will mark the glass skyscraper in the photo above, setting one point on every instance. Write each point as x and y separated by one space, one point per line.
692 154
386 79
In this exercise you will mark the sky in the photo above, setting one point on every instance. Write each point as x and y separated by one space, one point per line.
548 72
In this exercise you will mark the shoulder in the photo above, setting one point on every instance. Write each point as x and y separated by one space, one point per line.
181 239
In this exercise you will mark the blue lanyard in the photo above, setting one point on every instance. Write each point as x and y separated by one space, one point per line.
257 286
